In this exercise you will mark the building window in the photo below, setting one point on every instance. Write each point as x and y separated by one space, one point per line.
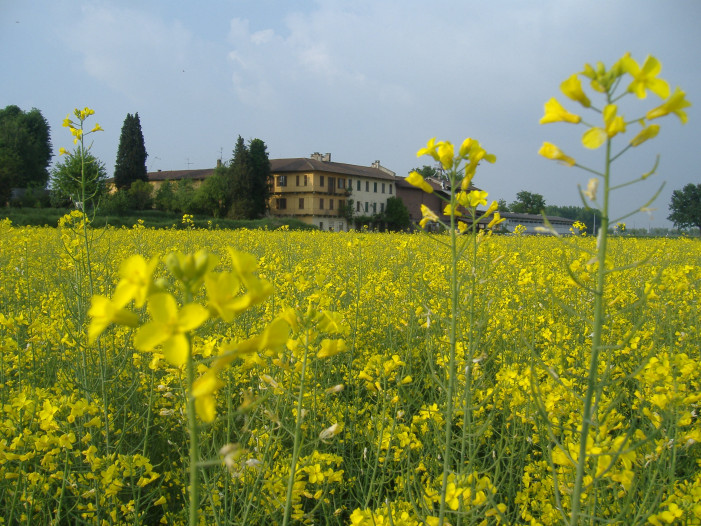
321 180
367 186
382 208
390 188
357 207
341 182
282 180
297 180
374 208
321 225
367 206
357 184
341 204
301 203
305 180
383 188
330 204
374 186
321 203
281 203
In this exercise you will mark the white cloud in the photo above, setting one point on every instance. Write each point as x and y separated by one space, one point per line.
134 53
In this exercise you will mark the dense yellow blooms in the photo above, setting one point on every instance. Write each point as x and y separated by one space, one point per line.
373 316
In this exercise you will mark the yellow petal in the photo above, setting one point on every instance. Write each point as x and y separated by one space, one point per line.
206 408
176 349
192 316
572 88
550 151
554 112
331 348
163 307
649 132
275 334
150 335
594 138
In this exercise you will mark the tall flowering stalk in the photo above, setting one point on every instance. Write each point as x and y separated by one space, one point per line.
174 318
626 77
462 218
77 127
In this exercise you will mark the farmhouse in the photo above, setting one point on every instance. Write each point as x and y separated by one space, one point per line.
321 192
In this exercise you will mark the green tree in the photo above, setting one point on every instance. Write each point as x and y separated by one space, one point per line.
396 214
140 195
260 180
686 207
165 197
589 216
527 203
66 184
184 197
240 179
131 154
502 205
213 196
25 150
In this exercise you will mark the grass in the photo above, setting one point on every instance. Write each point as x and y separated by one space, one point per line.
151 219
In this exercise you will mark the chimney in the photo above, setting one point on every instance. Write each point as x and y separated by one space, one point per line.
316 156
376 164
326 158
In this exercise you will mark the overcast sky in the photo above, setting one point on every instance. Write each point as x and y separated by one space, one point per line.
364 80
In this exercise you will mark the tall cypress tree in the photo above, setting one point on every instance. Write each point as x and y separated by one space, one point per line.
241 182
260 165
131 154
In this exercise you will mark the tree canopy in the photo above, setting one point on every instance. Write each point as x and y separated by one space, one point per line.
396 214
591 217
686 207
527 203
66 178
248 177
25 150
130 165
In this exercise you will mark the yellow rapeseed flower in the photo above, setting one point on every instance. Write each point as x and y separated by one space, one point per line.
674 104
550 151
136 282
572 88
169 327
331 348
103 312
416 179
428 216
554 112
645 78
647 133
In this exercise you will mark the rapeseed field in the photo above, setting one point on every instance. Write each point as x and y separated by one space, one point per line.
95 432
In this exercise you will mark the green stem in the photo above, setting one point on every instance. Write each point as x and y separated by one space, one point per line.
192 429
447 450
590 403
298 436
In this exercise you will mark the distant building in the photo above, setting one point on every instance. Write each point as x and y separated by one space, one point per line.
561 225
319 191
